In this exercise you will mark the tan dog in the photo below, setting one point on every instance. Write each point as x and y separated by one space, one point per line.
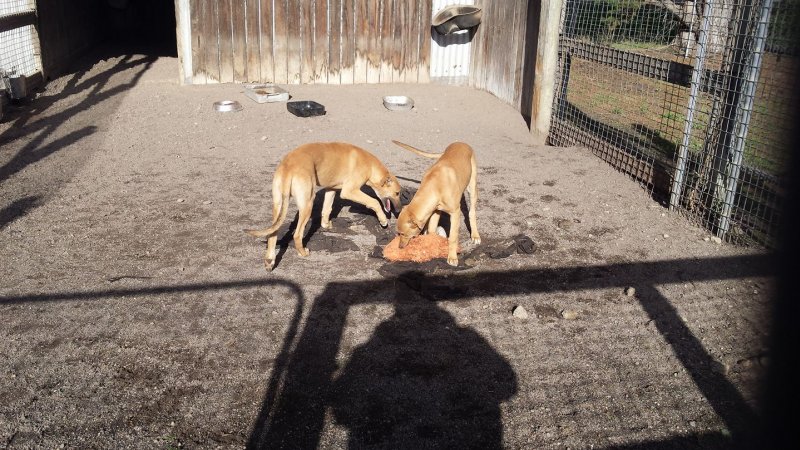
440 191
332 166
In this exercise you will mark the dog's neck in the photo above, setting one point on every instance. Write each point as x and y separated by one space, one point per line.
423 207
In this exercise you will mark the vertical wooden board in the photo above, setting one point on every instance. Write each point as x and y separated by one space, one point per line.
307 41
320 41
267 64
212 50
225 26
239 40
386 41
280 40
425 44
361 31
522 20
252 49
334 41
412 37
348 39
398 54
197 10
374 41
294 40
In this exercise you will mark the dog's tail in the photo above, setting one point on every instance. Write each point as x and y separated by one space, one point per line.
418 151
283 195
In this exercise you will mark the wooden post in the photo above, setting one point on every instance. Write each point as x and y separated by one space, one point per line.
545 71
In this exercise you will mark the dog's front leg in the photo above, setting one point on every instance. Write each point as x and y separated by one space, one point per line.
356 195
452 238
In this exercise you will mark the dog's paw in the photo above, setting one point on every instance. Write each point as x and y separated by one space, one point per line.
326 225
385 224
452 261
476 239
305 252
269 264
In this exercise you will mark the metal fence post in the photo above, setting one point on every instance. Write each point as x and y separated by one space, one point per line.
697 73
744 113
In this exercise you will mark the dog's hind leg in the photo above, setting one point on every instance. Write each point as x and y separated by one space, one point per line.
327 207
304 195
272 240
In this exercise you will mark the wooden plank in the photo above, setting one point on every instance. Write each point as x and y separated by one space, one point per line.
225 25
348 39
210 45
267 64
239 40
251 44
411 41
386 41
306 41
374 41
18 20
400 15
334 41
321 50
280 43
197 11
361 32
294 38
642 65
521 23
425 43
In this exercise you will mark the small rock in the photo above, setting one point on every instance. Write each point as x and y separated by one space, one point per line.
692 423
569 314
520 313
263 138
181 200
630 291
716 240
706 239
470 262
720 368
369 141
666 235
207 202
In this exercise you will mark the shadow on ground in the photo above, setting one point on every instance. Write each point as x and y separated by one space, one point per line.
423 381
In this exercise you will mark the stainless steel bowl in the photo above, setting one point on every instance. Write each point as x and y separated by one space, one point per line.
227 106
398 103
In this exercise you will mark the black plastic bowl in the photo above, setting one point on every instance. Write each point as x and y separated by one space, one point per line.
305 108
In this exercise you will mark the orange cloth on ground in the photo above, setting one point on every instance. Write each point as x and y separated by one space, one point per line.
422 248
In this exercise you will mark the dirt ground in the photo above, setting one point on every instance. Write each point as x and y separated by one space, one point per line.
135 313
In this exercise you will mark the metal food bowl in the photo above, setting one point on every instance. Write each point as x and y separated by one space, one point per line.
398 103
455 18
227 106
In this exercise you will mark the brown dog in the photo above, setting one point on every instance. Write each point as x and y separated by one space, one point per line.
440 191
332 166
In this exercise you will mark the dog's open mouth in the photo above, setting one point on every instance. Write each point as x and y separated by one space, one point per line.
387 204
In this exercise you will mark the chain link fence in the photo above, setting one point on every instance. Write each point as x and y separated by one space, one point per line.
693 99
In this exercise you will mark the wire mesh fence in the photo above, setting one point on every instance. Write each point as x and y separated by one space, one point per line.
693 99
19 41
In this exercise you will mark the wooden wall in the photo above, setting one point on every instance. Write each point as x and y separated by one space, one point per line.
353 41
67 30
310 41
498 49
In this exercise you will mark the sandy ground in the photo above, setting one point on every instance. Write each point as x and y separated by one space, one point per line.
134 313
